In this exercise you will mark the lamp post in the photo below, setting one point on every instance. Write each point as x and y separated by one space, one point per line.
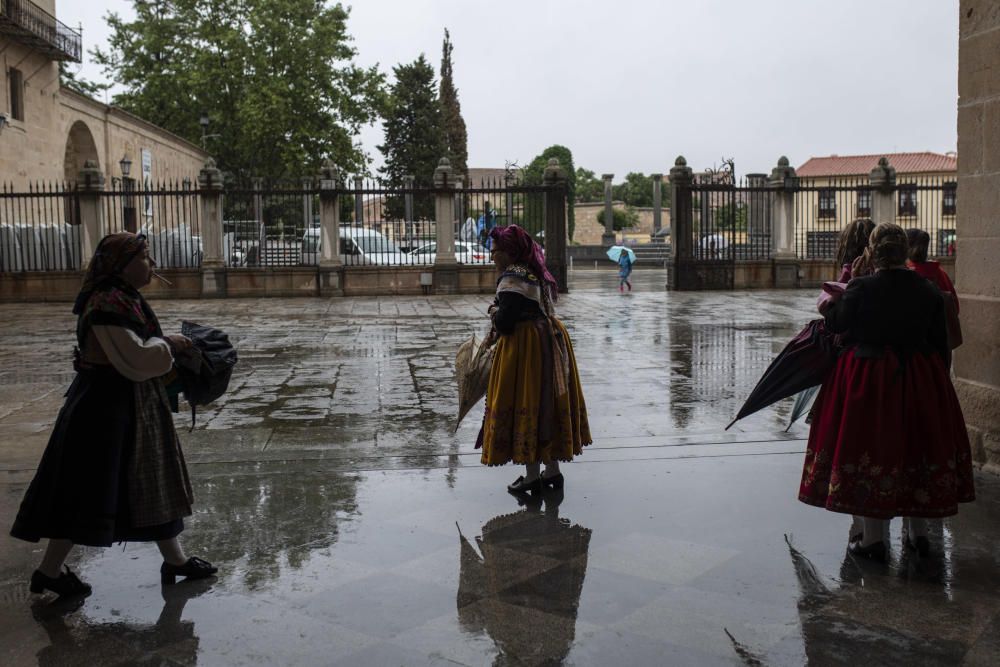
128 204
204 121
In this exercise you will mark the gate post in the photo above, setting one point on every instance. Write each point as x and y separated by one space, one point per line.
555 180
331 268
608 237
784 183
445 266
883 183
213 267
90 185
681 222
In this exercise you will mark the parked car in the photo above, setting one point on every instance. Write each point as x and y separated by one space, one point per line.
358 245
466 252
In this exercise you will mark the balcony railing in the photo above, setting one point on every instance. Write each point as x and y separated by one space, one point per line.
26 22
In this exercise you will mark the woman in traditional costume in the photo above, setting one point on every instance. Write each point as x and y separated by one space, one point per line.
113 469
535 411
889 438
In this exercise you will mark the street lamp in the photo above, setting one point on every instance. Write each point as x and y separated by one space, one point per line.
128 205
204 120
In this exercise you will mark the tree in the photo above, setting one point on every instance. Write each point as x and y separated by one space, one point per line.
535 171
621 218
455 135
69 79
637 190
589 188
728 218
276 78
414 140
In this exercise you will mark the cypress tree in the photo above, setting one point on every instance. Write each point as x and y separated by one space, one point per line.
455 135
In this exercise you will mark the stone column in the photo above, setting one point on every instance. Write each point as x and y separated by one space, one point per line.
657 203
90 185
608 237
784 184
977 271
554 177
445 267
883 182
681 222
307 202
213 266
330 264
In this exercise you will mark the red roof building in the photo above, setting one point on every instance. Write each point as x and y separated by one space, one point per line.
861 165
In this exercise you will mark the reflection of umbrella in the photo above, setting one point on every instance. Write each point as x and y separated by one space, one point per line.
472 369
615 251
714 242
804 363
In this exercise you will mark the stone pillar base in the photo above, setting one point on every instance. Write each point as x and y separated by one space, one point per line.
982 420
786 273
213 283
608 240
330 281
445 279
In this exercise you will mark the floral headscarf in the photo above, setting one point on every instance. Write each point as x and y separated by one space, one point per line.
522 249
113 254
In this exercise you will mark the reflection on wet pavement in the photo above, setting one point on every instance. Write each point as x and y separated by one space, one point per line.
328 489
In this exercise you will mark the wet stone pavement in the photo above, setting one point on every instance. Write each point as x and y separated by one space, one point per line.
351 527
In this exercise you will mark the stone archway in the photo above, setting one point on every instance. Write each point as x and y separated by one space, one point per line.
80 147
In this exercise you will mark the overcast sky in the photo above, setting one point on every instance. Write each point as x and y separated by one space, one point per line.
628 85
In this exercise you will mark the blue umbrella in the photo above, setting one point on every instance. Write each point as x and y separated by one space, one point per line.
615 251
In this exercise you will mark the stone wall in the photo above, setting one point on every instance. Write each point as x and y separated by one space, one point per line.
589 230
61 129
977 361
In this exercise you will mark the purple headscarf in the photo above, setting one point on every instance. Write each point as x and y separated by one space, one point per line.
522 249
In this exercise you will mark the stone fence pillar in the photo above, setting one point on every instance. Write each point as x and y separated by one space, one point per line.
90 185
330 264
784 184
608 237
554 177
657 203
213 265
445 266
883 182
681 221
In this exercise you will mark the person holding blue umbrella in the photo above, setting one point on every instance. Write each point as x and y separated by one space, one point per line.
625 258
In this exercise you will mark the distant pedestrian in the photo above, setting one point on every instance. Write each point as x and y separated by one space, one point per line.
919 241
889 438
535 410
113 469
624 270
485 224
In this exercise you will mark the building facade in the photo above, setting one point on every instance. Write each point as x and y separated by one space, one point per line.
48 131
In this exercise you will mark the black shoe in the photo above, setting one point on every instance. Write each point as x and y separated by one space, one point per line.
521 486
67 584
875 551
554 482
921 545
194 568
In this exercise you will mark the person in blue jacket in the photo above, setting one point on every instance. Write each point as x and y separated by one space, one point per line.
487 221
624 271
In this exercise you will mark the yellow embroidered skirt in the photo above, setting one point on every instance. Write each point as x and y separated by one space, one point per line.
535 412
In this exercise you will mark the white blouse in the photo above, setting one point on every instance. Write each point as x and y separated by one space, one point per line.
136 359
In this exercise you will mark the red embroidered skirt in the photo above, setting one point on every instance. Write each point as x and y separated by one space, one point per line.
888 441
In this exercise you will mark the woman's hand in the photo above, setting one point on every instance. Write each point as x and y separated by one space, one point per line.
491 338
178 342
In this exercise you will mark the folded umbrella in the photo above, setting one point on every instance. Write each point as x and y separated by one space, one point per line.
473 362
805 362
803 401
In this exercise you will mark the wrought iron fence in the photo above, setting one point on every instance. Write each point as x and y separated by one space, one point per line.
27 21
38 228
167 213
731 219
823 209
271 224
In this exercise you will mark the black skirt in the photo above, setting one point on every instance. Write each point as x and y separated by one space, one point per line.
80 491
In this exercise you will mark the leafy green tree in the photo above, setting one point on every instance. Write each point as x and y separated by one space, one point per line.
727 217
414 140
621 218
455 135
589 188
276 78
69 79
535 171
637 190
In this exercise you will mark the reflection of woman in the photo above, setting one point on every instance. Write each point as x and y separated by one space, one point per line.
113 469
554 550
535 411
889 438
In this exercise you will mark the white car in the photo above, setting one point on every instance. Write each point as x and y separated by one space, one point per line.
466 252
358 245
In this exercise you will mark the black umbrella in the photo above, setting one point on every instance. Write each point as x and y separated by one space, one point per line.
804 363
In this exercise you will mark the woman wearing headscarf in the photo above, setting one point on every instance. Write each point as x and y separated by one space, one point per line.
535 411
113 469
889 438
